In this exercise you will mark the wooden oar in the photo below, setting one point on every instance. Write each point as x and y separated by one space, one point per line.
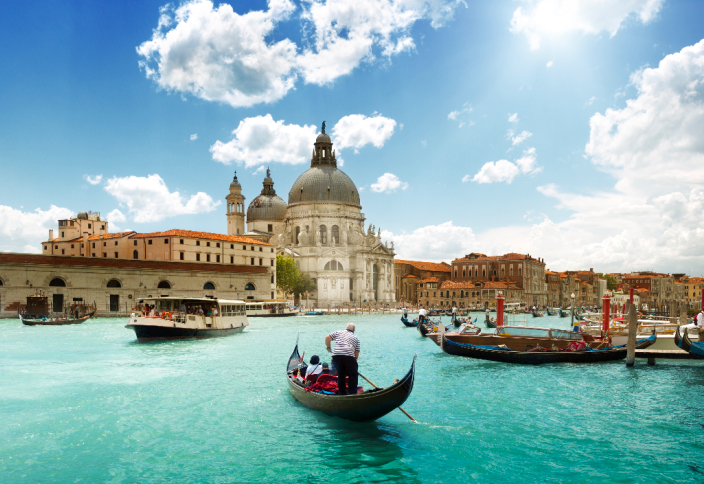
372 384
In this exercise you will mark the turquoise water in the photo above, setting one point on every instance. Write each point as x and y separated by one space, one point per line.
89 404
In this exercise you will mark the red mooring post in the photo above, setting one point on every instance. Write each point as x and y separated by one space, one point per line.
606 309
499 309
630 291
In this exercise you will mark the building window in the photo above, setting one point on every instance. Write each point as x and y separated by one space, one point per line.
207 244
483 272
45 247
232 259
105 244
244 247
197 242
260 261
207 257
114 283
249 287
166 241
181 241
335 234
63 251
88 225
57 282
72 246
252 261
272 262
164 285
298 232
93 254
217 258
272 278
182 255
217 244
270 228
323 234
333 265
209 286
115 255
261 249
105 254
135 243
135 255
149 242
198 257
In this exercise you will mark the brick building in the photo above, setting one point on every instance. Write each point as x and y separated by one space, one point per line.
409 274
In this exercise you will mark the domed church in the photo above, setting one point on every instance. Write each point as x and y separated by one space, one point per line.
322 227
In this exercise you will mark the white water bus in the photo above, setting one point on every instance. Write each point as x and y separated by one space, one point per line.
270 308
187 317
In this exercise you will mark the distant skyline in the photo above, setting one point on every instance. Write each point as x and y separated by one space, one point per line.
570 130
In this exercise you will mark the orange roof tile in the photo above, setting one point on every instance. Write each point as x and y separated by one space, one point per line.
409 275
457 285
430 279
426 266
201 235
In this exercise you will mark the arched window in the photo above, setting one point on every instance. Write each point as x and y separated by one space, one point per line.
298 232
333 265
323 234
249 287
335 234
164 285
57 282
0 282
135 255
114 283
209 285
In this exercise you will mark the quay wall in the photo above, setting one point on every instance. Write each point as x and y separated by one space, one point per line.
116 285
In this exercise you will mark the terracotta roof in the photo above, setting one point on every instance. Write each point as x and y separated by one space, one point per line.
426 266
457 285
14 258
115 235
409 275
201 235
497 285
479 257
430 279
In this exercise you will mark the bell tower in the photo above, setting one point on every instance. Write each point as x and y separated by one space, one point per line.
235 209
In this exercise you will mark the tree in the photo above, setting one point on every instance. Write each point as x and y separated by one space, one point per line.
610 281
290 280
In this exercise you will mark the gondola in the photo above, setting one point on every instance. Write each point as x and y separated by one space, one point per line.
425 328
489 323
694 348
505 355
314 313
58 322
563 314
537 314
456 322
362 407
551 313
411 324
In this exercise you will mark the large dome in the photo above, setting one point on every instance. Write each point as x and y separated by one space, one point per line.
324 183
268 205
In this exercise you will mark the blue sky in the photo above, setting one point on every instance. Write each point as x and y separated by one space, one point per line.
569 130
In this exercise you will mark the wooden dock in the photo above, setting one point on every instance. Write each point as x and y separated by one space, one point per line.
665 354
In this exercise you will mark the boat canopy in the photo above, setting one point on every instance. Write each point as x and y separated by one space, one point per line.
538 332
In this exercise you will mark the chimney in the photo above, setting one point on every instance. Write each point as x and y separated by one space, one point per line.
51 234
591 269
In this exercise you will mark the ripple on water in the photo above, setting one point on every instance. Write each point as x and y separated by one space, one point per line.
87 403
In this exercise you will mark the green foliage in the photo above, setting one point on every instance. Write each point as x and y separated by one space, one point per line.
610 281
290 280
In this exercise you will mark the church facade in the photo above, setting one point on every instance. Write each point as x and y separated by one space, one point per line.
323 228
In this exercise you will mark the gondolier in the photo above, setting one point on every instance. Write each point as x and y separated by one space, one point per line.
344 357
422 315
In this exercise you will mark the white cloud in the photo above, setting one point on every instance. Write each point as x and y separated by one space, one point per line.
148 198
549 64
554 17
505 171
388 183
433 243
93 180
261 140
590 101
424 143
194 136
513 118
357 130
458 114
466 178
25 231
218 55
520 138
115 217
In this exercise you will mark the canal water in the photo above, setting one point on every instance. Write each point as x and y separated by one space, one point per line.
86 403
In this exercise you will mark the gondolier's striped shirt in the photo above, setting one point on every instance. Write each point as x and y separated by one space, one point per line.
346 343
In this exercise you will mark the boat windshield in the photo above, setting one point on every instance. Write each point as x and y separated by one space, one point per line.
558 334
519 331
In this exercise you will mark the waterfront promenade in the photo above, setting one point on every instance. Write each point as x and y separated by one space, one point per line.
87 403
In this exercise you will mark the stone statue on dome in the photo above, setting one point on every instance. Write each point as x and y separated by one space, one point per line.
323 127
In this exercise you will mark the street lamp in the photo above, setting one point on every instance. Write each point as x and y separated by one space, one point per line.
572 312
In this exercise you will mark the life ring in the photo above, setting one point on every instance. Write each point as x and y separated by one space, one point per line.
167 315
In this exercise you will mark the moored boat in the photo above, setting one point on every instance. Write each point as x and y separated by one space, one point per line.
181 318
362 407
53 321
525 338
409 324
506 355
694 348
273 308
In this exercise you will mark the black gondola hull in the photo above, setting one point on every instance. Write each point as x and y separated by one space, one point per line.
409 324
363 407
539 357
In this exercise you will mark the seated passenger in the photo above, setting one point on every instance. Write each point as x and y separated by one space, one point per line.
326 369
314 369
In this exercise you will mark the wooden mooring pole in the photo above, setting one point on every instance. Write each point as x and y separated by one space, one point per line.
632 335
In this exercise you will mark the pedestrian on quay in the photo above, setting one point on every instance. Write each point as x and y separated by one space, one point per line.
344 358
697 323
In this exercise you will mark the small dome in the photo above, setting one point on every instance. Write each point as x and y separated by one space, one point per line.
235 183
323 138
324 183
266 207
